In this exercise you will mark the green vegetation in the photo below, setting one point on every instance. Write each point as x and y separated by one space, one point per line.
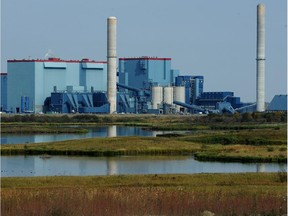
221 194
149 120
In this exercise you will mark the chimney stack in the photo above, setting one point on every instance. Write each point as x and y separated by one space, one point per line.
112 63
260 59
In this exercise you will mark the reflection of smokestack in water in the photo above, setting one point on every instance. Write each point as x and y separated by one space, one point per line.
112 60
260 85
260 168
111 167
112 131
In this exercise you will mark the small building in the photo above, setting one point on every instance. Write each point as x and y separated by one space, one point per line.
278 103
31 82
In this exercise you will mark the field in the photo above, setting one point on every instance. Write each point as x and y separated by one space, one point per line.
201 194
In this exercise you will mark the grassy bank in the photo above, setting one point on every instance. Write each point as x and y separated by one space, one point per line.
222 194
162 122
252 145
151 146
260 138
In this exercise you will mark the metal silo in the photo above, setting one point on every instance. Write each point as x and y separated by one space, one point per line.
168 95
179 95
157 96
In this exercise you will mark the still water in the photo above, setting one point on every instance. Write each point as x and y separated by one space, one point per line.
82 166
104 131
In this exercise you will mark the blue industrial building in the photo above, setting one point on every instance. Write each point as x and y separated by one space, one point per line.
137 77
3 91
144 72
278 103
210 99
78 102
31 82
145 85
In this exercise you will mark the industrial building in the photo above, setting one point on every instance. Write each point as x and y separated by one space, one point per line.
145 85
144 72
31 82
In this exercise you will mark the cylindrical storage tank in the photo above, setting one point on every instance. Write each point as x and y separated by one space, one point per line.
168 95
157 96
179 95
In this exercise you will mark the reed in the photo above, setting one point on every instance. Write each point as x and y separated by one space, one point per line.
153 146
221 194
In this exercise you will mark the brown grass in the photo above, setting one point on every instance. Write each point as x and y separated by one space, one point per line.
138 201
229 194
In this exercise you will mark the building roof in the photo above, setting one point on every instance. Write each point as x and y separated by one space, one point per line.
146 58
58 60
278 103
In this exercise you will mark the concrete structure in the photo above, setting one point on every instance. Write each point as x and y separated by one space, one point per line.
260 86
157 97
145 72
3 98
179 95
112 62
168 95
37 79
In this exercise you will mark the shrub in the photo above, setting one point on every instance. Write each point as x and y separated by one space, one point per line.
282 176
270 149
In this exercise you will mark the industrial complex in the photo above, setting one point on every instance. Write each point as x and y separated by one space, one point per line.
138 85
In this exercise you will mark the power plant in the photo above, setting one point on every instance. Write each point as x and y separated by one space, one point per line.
138 85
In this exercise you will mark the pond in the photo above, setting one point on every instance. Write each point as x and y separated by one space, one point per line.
103 131
12 166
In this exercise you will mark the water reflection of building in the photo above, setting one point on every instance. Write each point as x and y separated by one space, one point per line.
260 167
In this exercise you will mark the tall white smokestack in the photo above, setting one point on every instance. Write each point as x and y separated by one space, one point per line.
112 61
260 85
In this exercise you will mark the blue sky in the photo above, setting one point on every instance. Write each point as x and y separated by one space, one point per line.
216 39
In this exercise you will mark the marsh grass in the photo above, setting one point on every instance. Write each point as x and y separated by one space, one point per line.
222 194
182 145
254 142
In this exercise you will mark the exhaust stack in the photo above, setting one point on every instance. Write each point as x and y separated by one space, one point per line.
260 59
112 63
